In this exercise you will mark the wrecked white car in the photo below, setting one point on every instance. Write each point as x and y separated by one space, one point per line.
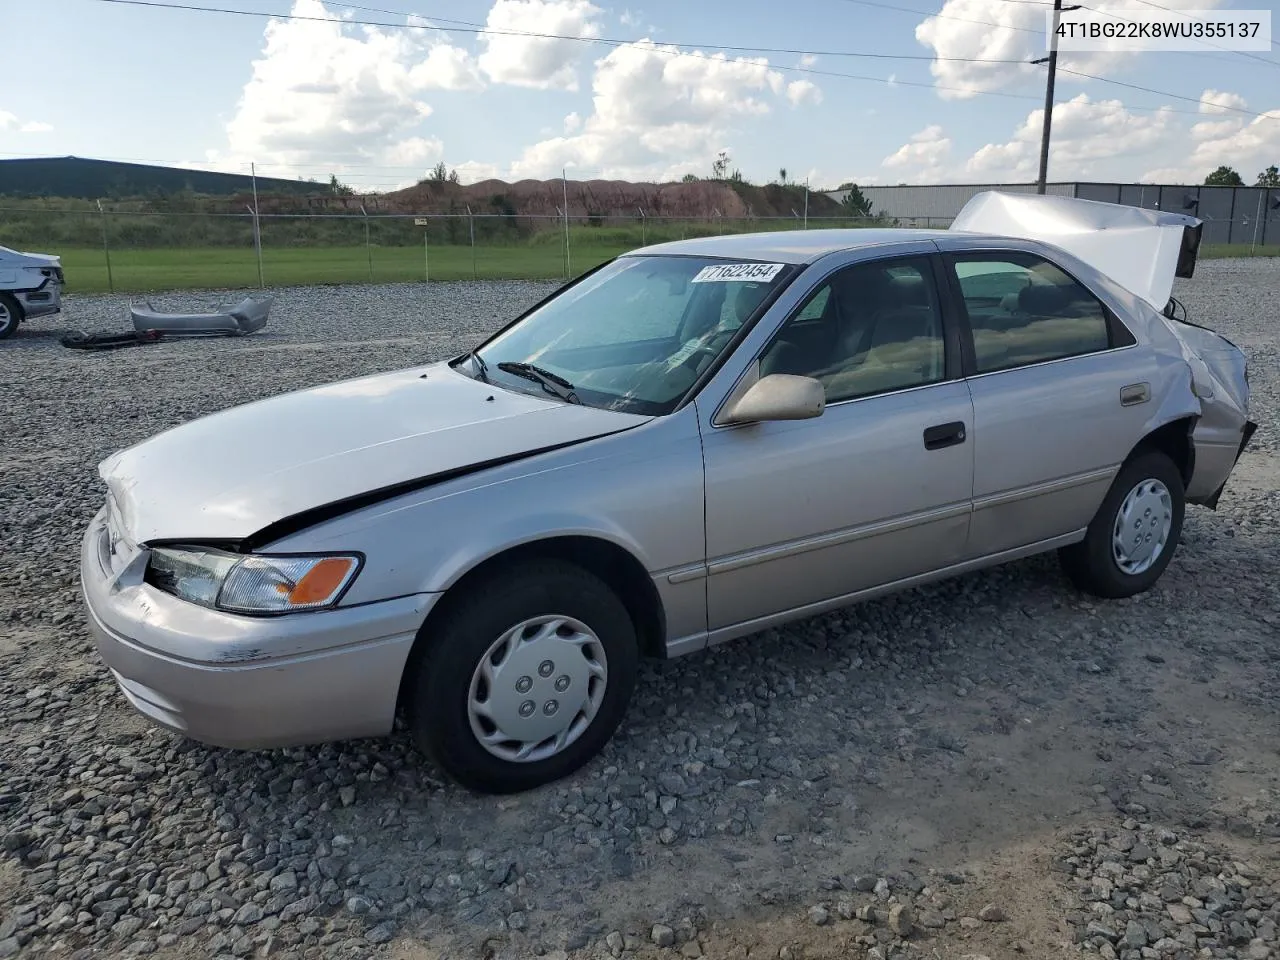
691 443
30 286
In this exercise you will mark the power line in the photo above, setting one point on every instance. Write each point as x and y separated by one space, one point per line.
465 26
1163 93
1150 3
1241 53
170 5
1009 26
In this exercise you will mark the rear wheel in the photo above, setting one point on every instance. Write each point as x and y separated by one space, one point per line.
1132 537
526 677
10 314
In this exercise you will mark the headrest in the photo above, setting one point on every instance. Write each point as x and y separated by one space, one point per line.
1043 298
909 291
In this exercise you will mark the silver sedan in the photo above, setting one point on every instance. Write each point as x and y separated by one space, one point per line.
688 444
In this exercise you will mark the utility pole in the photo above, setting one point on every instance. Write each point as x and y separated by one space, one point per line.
1052 60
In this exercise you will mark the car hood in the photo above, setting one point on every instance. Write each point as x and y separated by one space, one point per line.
226 476
1142 250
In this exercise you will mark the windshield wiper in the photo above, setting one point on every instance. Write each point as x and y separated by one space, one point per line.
481 367
551 382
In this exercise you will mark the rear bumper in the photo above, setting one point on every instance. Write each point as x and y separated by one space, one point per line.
246 682
1220 454
45 300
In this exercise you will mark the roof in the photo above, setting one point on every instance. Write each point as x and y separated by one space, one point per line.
787 246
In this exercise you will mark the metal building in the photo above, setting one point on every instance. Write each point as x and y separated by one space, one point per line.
1236 215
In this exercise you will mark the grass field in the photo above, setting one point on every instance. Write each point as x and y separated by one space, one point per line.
197 268
193 268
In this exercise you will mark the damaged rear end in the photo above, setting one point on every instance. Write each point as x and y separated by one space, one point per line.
1220 381
1141 252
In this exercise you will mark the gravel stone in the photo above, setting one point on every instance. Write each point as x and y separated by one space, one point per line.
901 919
662 935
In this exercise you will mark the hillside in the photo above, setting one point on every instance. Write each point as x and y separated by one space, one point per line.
611 199
527 210
87 179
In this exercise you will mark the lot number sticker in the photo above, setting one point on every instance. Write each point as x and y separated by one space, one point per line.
740 272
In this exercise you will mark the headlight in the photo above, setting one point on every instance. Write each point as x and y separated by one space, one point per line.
251 584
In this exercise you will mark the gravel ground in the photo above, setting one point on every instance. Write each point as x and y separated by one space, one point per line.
989 767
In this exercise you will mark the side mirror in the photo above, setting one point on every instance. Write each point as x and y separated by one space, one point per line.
779 396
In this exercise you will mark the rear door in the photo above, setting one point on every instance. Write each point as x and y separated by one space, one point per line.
1059 396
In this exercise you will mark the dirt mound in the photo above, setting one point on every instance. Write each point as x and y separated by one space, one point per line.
608 198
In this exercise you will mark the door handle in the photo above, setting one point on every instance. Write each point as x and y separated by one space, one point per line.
944 435
1134 393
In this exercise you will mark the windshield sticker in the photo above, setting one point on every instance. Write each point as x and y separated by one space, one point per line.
737 272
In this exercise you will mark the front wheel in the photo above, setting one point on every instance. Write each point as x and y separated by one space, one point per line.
525 678
1132 537
10 315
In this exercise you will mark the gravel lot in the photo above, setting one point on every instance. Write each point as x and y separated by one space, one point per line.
990 767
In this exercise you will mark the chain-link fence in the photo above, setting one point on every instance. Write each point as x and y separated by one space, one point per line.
136 250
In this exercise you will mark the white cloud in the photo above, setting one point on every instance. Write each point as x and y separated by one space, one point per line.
340 94
969 30
415 151
1085 132
1220 101
473 171
656 114
1248 146
572 122
9 121
629 19
808 60
800 92
543 63
923 155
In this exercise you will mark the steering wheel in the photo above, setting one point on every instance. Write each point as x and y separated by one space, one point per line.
710 350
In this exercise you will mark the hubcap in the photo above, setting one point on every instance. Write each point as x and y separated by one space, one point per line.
5 315
1142 527
537 688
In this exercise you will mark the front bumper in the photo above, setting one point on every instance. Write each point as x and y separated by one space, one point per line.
245 682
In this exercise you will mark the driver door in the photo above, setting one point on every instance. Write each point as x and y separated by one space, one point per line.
878 488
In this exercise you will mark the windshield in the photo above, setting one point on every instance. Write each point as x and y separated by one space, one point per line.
635 335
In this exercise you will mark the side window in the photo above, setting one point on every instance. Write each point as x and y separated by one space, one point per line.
871 328
1023 310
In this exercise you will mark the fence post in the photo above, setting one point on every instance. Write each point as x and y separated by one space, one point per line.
806 203
471 225
568 257
106 251
1253 247
367 249
257 243
257 229
643 231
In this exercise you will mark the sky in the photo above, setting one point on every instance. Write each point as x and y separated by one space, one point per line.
468 83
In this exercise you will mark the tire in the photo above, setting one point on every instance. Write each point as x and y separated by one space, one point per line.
1094 565
10 315
448 680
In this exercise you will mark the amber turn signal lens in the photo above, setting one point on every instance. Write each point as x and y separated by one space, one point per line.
321 581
